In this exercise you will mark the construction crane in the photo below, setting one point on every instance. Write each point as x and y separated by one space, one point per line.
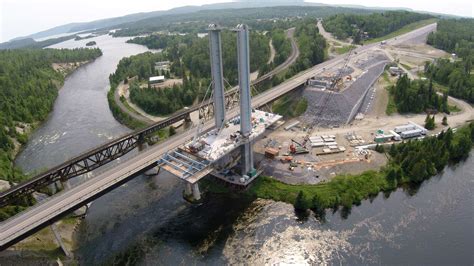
297 148
330 94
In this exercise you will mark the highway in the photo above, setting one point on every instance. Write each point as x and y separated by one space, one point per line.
42 214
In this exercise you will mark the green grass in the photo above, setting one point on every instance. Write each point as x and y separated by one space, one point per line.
344 49
344 190
403 30
391 106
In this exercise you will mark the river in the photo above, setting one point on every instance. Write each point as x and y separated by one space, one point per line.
146 221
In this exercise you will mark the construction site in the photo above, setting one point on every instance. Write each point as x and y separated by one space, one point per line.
345 119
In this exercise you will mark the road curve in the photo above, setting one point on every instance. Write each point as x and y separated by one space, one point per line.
295 52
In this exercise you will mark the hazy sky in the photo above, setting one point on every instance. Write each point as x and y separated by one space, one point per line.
23 17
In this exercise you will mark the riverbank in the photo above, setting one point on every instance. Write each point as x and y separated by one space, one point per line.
401 171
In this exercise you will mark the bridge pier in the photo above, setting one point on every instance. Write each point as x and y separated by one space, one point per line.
196 192
192 192
65 184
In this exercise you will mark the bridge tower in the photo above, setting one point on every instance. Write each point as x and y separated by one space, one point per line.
215 48
245 104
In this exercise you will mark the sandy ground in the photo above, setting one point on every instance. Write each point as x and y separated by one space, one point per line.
67 68
328 36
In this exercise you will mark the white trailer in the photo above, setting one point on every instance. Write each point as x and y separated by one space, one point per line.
411 133
404 128
423 130
396 136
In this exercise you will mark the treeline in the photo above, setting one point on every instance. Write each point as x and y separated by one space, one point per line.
417 96
30 43
376 25
455 75
415 161
410 163
161 41
28 88
454 36
190 54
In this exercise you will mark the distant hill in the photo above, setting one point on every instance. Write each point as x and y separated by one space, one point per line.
111 22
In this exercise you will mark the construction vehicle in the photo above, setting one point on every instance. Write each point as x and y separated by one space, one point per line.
286 159
297 148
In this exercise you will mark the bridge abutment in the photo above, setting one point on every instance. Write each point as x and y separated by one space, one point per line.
59 240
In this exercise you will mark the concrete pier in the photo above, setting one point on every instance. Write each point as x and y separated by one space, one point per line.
196 192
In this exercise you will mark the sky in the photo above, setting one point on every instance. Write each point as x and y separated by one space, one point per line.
24 17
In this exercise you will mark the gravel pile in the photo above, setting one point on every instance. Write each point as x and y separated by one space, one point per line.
326 109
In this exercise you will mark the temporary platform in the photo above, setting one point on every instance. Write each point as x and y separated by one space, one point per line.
218 142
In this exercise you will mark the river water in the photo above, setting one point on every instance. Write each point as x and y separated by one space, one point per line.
147 222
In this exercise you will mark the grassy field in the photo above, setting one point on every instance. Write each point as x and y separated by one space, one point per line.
344 49
405 29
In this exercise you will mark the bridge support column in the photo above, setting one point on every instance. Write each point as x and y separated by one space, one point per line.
59 240
141 143
187 121
188 189
65 184
196 192
215 51
245 103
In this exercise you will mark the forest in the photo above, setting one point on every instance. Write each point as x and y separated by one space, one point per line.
456 76
454 36
312 47
28 88
417 96
189 57
343 26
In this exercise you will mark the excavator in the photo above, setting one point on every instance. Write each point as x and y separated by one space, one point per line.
297 148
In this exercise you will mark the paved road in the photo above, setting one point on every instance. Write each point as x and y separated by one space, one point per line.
19 226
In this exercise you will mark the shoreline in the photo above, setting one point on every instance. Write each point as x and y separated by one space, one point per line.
32 127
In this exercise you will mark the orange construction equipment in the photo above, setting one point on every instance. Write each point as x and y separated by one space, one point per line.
286 159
